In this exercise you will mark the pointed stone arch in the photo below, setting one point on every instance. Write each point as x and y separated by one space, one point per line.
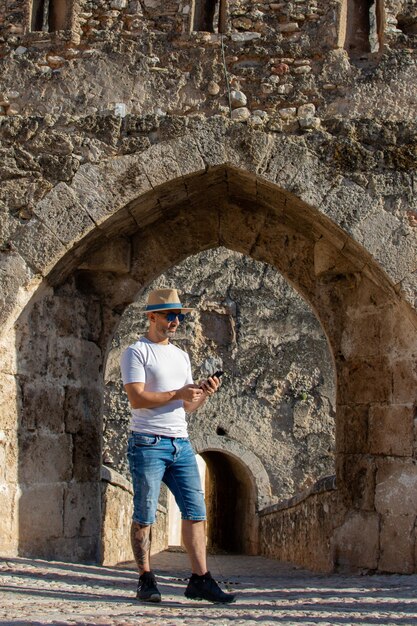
217 187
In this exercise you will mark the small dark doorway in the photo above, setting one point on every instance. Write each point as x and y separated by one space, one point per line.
364 26
230 498
49 15
209 16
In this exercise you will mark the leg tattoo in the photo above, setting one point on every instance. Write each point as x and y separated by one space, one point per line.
140 537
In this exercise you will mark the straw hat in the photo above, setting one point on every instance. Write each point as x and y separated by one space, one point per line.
164 300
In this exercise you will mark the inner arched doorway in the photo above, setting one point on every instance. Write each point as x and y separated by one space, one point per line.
231 505
235 490
277 397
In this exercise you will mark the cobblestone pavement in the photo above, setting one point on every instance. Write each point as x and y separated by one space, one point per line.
43 592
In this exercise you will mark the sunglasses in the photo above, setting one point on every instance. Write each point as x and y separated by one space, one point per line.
171 317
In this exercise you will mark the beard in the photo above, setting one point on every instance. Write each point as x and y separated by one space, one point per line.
167 332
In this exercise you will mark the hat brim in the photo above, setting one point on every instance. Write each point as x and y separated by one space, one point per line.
167 307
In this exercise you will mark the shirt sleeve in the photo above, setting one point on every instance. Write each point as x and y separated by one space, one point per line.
189 379
132 366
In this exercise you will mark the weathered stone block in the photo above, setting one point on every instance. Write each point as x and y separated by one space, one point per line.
117 507
311 182
391 430
40 248
114 257
82 510
289 251
189 157
70 549
397 260
72 359
199 233
161 164
33 357
368 293
361 336
270 196
63 215
102 189
356 480
83 405
8 353
362 381
211 144
239 228
241 185
212 180
375 230
74 316
9 401
356 542
397 543
348 204
8 456
398 331
45 458
352 429
15 273
40 514
409 289
172 195
43 407
284 163
404 380
329 261
396 487
8 520
87 452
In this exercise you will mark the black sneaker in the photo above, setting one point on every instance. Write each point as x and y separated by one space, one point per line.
147 589
206 588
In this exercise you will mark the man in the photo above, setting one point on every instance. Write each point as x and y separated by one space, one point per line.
158 381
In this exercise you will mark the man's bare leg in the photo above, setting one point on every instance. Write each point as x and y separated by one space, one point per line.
201 585
140 537
194 538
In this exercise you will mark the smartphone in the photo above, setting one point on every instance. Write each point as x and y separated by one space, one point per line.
217 374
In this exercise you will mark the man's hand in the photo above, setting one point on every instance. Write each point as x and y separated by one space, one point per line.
189 393
210 386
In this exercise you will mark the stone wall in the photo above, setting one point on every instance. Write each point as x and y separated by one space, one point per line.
117 508
313 520
59 431
279 65
116 136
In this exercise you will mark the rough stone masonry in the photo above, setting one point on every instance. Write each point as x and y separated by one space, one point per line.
136 134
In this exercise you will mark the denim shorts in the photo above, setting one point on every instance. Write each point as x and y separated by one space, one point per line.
154 458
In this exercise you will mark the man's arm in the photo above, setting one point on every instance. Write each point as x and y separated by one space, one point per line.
141 399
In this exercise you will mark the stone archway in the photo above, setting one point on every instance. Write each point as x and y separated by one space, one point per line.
237 488
253 466
256 207
231 518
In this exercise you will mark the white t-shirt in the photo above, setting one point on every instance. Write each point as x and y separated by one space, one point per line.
162 367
